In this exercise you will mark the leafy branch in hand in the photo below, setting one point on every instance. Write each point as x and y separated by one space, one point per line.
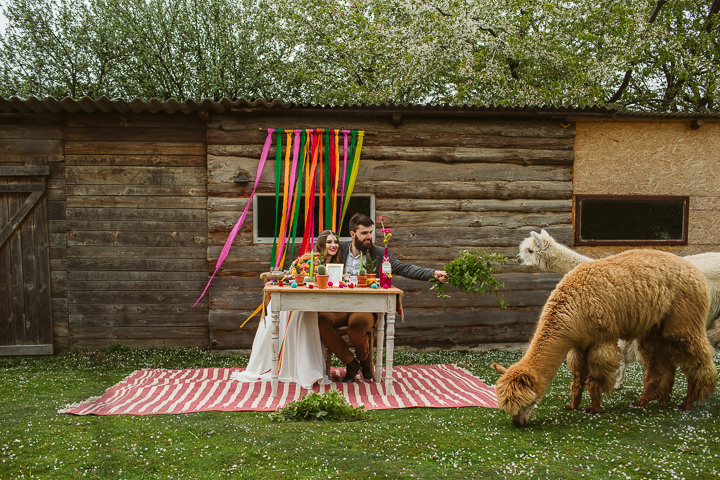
472 272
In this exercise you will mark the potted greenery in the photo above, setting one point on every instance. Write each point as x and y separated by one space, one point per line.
371 267
472 272
321 276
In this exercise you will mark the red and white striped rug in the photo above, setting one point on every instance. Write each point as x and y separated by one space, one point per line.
157 391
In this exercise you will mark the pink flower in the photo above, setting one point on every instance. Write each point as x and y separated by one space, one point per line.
381 219
386 230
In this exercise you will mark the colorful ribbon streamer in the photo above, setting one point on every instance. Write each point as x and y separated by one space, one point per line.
228 243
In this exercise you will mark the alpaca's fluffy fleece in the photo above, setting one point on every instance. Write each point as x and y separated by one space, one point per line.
653 296
542 251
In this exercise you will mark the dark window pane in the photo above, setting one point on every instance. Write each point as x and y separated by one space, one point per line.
617 219
265 205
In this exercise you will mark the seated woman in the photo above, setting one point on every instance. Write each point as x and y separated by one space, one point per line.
302 358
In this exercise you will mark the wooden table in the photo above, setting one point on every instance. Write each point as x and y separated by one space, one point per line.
303 299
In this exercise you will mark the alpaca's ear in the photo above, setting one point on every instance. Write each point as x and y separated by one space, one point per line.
544 233
499 368
525 380
538 239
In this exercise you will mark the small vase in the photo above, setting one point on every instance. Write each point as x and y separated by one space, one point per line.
362 281
299 279
322 280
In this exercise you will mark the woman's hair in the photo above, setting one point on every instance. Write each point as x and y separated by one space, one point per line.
321 245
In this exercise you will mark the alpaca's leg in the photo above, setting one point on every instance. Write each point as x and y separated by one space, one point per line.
695 359
623 345
652 361
602 362
577 364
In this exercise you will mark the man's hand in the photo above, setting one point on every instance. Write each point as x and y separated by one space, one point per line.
441 275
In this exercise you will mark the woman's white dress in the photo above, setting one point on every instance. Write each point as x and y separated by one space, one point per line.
303 353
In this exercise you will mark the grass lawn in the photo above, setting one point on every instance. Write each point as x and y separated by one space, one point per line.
623 442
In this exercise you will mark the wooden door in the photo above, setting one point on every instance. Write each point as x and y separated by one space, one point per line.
25 307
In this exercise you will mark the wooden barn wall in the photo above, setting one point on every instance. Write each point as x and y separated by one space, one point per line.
651 157
29 139
136 230
445 184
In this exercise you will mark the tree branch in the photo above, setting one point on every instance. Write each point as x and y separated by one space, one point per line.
628 73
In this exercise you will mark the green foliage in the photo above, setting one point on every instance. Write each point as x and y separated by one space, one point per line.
472 272
657 55
315 406
371 263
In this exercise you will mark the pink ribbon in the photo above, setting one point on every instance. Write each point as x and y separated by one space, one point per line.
228 243
342 179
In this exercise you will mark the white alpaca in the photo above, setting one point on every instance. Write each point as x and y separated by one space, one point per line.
543 252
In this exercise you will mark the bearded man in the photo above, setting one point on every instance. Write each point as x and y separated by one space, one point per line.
360 323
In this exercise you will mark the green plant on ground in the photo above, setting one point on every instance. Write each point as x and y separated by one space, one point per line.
472 272
320 406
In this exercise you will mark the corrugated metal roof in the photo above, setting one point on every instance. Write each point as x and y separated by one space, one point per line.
225 105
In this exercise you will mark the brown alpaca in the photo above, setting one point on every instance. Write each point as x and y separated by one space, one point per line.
655 297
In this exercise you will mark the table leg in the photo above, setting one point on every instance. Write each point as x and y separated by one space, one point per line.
275 349
389 353
379 346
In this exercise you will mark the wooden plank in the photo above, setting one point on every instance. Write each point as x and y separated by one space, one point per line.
111 335
20 131
137 202
160 342
24 170
122 175
43 280
137 285
134 148
464 337
140 239
22 350
26 147
169 133
167 252
137 276
224 169
133 120
473 205
412 122
165 298
141 320
474 219
137 160
497 190
151 213
29 332
22 187
17 295
144 190
385 137
6 275
139 226
520 156
143 308
138 264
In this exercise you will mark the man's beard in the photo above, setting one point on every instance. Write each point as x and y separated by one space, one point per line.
360 246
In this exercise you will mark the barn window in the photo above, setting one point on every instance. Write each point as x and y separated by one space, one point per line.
631 220
264 215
